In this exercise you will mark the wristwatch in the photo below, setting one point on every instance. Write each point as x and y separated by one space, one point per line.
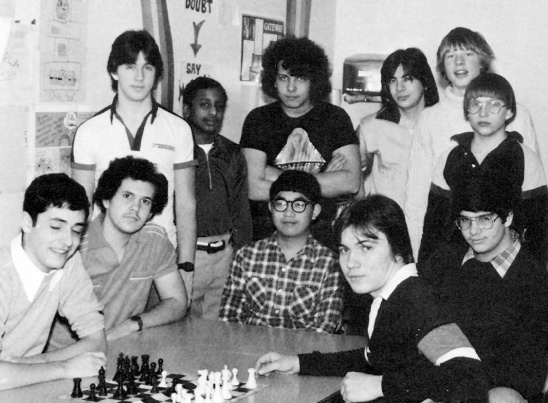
137 318
186 266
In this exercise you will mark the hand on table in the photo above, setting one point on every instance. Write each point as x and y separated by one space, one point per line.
360 387
338 161
84 365
274 362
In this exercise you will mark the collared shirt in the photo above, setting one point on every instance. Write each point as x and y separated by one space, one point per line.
502 262
264 288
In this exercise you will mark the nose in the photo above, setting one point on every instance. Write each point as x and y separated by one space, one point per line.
459 58
400 85
134 206
289 212
67 238
291 84
474 227
139 74
351 261
483 110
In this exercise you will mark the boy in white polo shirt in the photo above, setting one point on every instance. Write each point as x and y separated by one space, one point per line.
41 274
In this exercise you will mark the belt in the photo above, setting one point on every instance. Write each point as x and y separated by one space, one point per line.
211 247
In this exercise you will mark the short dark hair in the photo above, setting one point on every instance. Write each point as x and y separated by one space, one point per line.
54 190
491 85
137 169
464 38
202 83
299 182
126 49
378 213
489 193
302 58
415 64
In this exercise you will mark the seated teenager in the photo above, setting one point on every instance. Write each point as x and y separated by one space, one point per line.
494 289
125 254
41 274
289 279
414 352
489 150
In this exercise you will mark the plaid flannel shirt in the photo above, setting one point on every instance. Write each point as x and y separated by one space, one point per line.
263 288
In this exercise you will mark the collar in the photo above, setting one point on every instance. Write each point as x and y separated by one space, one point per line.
452 97
307 249
409 270
113 112
465 139
31 276
94 238
502 262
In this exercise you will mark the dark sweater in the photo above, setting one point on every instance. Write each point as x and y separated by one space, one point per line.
505 319
402 322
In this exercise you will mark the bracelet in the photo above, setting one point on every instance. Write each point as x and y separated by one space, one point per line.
186 266
137 318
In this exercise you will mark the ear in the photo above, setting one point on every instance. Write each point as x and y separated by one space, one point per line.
26 222
270 206
317 211
106 204
509 220
114 76
186 111
509 114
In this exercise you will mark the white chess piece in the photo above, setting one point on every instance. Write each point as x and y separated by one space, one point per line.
217 393
163 383
226 378
175 397
225 390
178 389
235 381
187 398
251 381
207 394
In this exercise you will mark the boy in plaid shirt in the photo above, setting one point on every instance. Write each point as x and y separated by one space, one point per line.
289 279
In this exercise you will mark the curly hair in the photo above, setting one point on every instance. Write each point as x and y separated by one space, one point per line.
464 38
202 83
302 58
137 169
415 64
126 49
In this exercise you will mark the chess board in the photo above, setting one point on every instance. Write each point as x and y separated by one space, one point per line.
164 395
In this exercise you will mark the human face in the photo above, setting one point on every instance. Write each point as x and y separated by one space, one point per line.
207 111
294 92
406 91
135 80
485 123
54 238
289 223
461 67
367 263
487 243
129 209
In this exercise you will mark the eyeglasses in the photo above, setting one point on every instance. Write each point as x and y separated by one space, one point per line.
483 221
298 206
492 106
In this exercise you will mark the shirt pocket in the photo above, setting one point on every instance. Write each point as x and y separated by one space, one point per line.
257 294
302 302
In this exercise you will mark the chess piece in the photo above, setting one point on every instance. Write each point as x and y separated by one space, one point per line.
132 386
163 383
119 371
120 392
235 381
77 388
251 381
217 393
225 390
226 377
154 382
135 365
92 395
160 366
144 367
102 387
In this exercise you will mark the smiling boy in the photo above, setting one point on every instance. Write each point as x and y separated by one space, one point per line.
489 151
493 288
289 279
41 274
462 56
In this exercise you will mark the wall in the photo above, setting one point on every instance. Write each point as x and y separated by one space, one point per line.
220 51
516 31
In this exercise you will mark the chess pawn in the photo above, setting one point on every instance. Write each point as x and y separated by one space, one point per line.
163 383
235 381
175 397
217 392
92 395
251 381
120 392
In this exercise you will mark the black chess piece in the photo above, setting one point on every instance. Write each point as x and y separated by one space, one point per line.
77 389
102 387
154 382
132 388
92 395
160 366
144 368
120 392
135 365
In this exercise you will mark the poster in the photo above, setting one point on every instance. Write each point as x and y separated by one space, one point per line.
257 34
54 137
189 71
63 50
14 152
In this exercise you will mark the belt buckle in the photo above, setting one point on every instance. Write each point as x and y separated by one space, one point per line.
214 249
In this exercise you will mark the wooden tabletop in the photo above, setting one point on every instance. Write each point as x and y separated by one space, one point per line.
193 344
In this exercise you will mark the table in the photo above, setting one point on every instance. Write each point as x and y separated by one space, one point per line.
193 344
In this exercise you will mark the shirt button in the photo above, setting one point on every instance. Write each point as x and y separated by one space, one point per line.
277 311
473 165
280 291
284 270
